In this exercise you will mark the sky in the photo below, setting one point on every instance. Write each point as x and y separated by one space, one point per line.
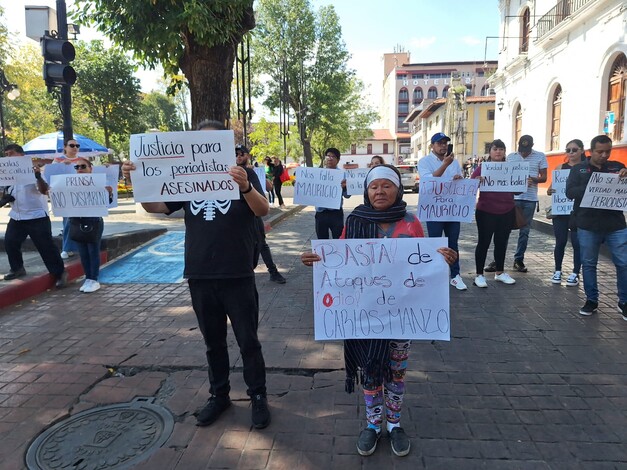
432 31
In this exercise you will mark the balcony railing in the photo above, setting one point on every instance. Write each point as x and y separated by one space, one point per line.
557 14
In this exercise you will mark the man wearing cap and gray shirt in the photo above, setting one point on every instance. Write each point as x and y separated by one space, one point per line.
439 164
528 200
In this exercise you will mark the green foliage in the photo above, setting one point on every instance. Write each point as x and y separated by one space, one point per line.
268 142
307 47
159 111
193 36
35 111
107 89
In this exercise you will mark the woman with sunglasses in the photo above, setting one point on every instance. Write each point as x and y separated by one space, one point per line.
575 154
90 252
69 157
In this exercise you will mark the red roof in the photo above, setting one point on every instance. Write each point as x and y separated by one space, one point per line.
480 99
381 134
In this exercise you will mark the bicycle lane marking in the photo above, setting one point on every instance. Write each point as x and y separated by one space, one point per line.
159 262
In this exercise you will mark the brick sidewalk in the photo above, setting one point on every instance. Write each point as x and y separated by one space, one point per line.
525 382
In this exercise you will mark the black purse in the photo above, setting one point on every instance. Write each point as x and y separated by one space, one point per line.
85 229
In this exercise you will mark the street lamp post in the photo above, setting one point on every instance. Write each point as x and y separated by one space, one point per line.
12 93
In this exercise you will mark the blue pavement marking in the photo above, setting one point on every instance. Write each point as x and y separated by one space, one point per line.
159 262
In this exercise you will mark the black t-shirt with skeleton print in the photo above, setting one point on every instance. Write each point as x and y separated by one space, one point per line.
220 237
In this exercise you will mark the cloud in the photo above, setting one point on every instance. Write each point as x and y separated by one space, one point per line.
470 40
422 43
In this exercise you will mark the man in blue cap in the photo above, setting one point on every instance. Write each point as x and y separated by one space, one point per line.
440 165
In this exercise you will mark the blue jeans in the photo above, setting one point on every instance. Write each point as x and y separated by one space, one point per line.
589 244
527 207
90 256
68 243
450 230
560 229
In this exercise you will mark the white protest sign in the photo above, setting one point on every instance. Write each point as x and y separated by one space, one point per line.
355 181
16 170
320 187
112 172
560 204
79 195
183 166
504 177
52 169
447 200
261 174
605 191
384 288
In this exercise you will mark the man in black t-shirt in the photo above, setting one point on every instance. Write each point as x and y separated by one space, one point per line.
220 245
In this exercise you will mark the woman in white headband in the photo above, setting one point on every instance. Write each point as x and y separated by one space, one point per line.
380 364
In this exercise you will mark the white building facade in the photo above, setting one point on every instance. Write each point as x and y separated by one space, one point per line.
562 72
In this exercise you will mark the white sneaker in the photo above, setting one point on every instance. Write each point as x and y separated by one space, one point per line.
572 280
92 287
85 284
504 278
480 281
458 283
557 277
64 255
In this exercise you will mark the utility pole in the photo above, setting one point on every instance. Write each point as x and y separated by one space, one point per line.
242 78
66 90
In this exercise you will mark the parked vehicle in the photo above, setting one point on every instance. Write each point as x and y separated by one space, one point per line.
409 177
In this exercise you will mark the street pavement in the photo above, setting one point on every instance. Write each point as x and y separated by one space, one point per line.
525 381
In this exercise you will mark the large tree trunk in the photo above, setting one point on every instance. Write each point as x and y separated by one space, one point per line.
307 151
209 72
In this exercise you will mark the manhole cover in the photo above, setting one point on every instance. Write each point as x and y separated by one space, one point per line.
112 437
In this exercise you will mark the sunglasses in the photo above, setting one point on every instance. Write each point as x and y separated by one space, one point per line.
74 146
573 150
80 167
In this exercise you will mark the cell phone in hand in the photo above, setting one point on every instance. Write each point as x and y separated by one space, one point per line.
449 149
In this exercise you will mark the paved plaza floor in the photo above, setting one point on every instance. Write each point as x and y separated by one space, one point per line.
525 381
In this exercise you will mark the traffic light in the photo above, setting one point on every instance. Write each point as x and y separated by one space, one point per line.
58 53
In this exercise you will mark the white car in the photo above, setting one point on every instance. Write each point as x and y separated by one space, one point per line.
409 177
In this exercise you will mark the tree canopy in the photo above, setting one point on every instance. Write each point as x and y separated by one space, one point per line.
196 37
108 89
304 54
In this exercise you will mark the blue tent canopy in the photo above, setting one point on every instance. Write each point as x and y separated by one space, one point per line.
51 145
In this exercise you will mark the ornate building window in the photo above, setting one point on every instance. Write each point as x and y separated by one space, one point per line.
525 29
518 124
418 96
556 115
616 96
403 95
432 93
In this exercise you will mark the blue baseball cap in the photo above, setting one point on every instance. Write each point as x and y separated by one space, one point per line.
439 136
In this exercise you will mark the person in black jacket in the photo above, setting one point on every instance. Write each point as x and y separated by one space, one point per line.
276 179
596 226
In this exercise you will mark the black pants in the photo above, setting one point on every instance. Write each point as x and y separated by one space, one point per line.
215 299
40 232
264 249
488 225
277 191
332 220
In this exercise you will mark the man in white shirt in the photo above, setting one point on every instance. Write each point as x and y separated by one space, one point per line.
29 218
439 164
528 200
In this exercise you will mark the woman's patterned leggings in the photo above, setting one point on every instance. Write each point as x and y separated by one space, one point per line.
393 391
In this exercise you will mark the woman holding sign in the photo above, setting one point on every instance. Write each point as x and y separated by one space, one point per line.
575 154
88 243
495 216
380 365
